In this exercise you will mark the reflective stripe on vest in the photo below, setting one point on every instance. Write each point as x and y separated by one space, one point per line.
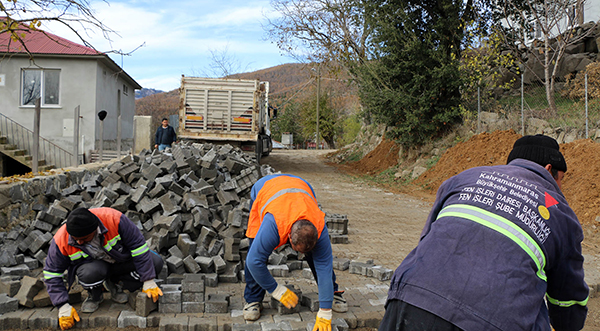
78 255
502 225
140 250
49 275
282 192
109 244
566 303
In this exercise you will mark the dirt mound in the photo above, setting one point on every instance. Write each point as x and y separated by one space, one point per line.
581 184
384 156
484 149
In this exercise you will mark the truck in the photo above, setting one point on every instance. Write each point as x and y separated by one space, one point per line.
226 111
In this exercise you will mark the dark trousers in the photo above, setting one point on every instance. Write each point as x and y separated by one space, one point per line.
255 293
400 315
92 275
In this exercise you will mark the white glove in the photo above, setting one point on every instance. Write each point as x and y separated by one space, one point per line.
149 284
64 310
326 314
285 296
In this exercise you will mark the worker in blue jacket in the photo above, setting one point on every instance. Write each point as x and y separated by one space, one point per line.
165 135
501 250
284 210
102 247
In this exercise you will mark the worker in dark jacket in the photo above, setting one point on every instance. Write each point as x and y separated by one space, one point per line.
501 250
284 210
100 246
165 135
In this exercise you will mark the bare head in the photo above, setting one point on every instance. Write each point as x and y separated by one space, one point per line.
165 122
304 236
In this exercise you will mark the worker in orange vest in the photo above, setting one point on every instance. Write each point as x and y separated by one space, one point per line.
102 247
284 210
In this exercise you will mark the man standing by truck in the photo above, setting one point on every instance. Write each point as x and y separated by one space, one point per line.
501 250
165 135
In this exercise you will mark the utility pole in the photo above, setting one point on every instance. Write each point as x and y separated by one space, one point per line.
318 94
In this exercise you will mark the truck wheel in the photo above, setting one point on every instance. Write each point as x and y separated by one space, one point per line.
258 150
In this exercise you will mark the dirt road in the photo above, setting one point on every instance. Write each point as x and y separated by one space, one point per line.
382 226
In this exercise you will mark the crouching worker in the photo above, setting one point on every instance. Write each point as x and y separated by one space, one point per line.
102 247
283 209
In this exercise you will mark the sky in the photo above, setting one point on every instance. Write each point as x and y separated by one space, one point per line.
176 37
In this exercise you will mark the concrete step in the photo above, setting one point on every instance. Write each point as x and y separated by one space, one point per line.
7 147
46 167
15 152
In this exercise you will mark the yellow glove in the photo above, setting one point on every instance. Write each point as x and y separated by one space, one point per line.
152 290
67 316
323 322
288 298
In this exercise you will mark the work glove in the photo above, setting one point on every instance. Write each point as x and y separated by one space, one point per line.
288 298
151 290
323 322
67 316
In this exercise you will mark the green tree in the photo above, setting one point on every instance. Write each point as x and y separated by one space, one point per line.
328 118
288 120
413 85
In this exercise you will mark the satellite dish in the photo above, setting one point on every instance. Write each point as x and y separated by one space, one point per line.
102 115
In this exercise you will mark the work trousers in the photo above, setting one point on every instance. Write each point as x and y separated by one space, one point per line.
92 275
401 316
255 293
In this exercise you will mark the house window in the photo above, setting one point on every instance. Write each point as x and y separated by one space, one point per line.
40 83
125 89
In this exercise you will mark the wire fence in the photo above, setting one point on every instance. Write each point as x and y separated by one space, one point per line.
526 108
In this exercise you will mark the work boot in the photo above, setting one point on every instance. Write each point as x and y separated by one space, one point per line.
116 292
90 305
339 304
252 311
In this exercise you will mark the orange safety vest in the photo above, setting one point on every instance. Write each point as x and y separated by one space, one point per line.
288 199
110 219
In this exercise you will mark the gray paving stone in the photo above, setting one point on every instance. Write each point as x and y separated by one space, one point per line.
10 285
103 318
217 304
284 325
16 320
311 301
191 265
8 304
177 323
29 288
341 324
246 327
173 308
130 318
192 307
43 318
204 324
192 297
144 305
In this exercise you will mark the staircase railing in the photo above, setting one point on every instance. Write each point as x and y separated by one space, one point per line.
23 138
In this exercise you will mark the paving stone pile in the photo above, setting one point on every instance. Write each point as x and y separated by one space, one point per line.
192 206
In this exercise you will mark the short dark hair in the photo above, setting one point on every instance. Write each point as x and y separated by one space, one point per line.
304 235
164 119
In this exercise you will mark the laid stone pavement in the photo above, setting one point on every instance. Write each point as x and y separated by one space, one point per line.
365 296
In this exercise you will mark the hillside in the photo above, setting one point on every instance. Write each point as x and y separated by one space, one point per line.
285 81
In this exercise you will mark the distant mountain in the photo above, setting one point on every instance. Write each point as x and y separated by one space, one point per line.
146 92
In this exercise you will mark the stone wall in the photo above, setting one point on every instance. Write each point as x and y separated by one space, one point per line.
22 199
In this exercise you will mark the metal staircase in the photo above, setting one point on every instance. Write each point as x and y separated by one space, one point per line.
16 142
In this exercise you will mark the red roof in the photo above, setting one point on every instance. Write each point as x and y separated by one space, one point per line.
39 42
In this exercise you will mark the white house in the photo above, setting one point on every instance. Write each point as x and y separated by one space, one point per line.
65 75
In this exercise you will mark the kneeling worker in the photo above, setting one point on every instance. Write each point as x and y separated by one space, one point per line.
99 246
284 210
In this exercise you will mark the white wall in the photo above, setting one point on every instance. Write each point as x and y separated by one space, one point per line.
77 88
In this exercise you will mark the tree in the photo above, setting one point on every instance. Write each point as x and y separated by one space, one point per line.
288 120
22 15
413 84
321 31
519 22
223 64
328 118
